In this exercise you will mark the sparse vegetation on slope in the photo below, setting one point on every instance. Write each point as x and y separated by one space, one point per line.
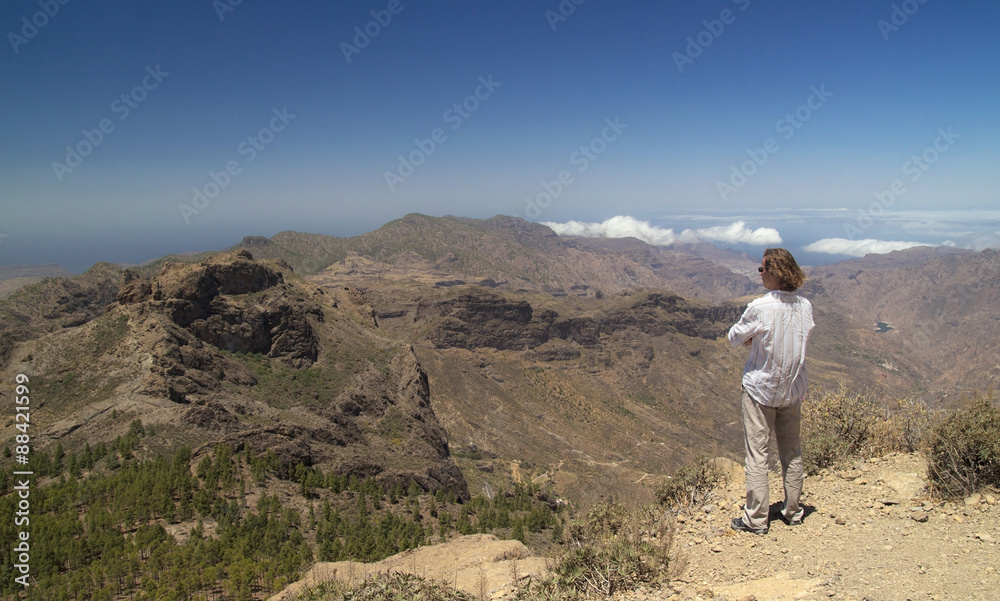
610 550
962 445
56 303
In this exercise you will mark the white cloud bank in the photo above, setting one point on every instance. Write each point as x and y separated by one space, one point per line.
739 233
860 248
623 226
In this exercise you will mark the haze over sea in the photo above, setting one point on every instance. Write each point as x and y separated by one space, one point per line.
135 130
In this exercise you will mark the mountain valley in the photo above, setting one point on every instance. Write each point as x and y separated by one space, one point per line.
467 356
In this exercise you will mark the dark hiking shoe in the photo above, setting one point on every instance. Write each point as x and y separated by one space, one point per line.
789 522
776 513
737 524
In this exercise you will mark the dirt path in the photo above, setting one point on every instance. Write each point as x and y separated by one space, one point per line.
870 533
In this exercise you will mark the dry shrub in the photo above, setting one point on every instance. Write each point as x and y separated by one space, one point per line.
903 428
963 453
841 425
516 553
385 587
613 550
691 485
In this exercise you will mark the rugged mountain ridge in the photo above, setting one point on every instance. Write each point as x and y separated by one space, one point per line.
600 390
464 356
242 352
510 251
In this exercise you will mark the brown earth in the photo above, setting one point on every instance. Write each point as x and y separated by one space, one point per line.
871 532
477 564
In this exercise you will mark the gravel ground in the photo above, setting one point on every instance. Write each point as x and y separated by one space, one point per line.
871 533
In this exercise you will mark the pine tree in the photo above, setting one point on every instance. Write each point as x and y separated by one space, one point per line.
518 531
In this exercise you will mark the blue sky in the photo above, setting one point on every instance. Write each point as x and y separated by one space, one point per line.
193 123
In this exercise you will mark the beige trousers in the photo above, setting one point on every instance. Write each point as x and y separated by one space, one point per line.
759 421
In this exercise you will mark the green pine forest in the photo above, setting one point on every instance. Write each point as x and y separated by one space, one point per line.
100 521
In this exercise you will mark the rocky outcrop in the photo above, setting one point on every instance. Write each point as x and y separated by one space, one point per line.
397 407
380 424
480 319
658 314
233 303
181 365
211 418
585 331
255 241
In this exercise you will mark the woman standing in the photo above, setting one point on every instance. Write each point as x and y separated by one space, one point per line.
776 328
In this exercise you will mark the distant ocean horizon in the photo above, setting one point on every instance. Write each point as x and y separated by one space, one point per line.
798 229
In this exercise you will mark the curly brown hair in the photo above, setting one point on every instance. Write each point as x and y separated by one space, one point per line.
781 264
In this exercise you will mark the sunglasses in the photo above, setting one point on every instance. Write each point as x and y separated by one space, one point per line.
760 270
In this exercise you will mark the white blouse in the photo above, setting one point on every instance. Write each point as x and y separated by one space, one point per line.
779 324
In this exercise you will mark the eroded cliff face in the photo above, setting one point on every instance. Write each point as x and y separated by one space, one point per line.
481 319
381 426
